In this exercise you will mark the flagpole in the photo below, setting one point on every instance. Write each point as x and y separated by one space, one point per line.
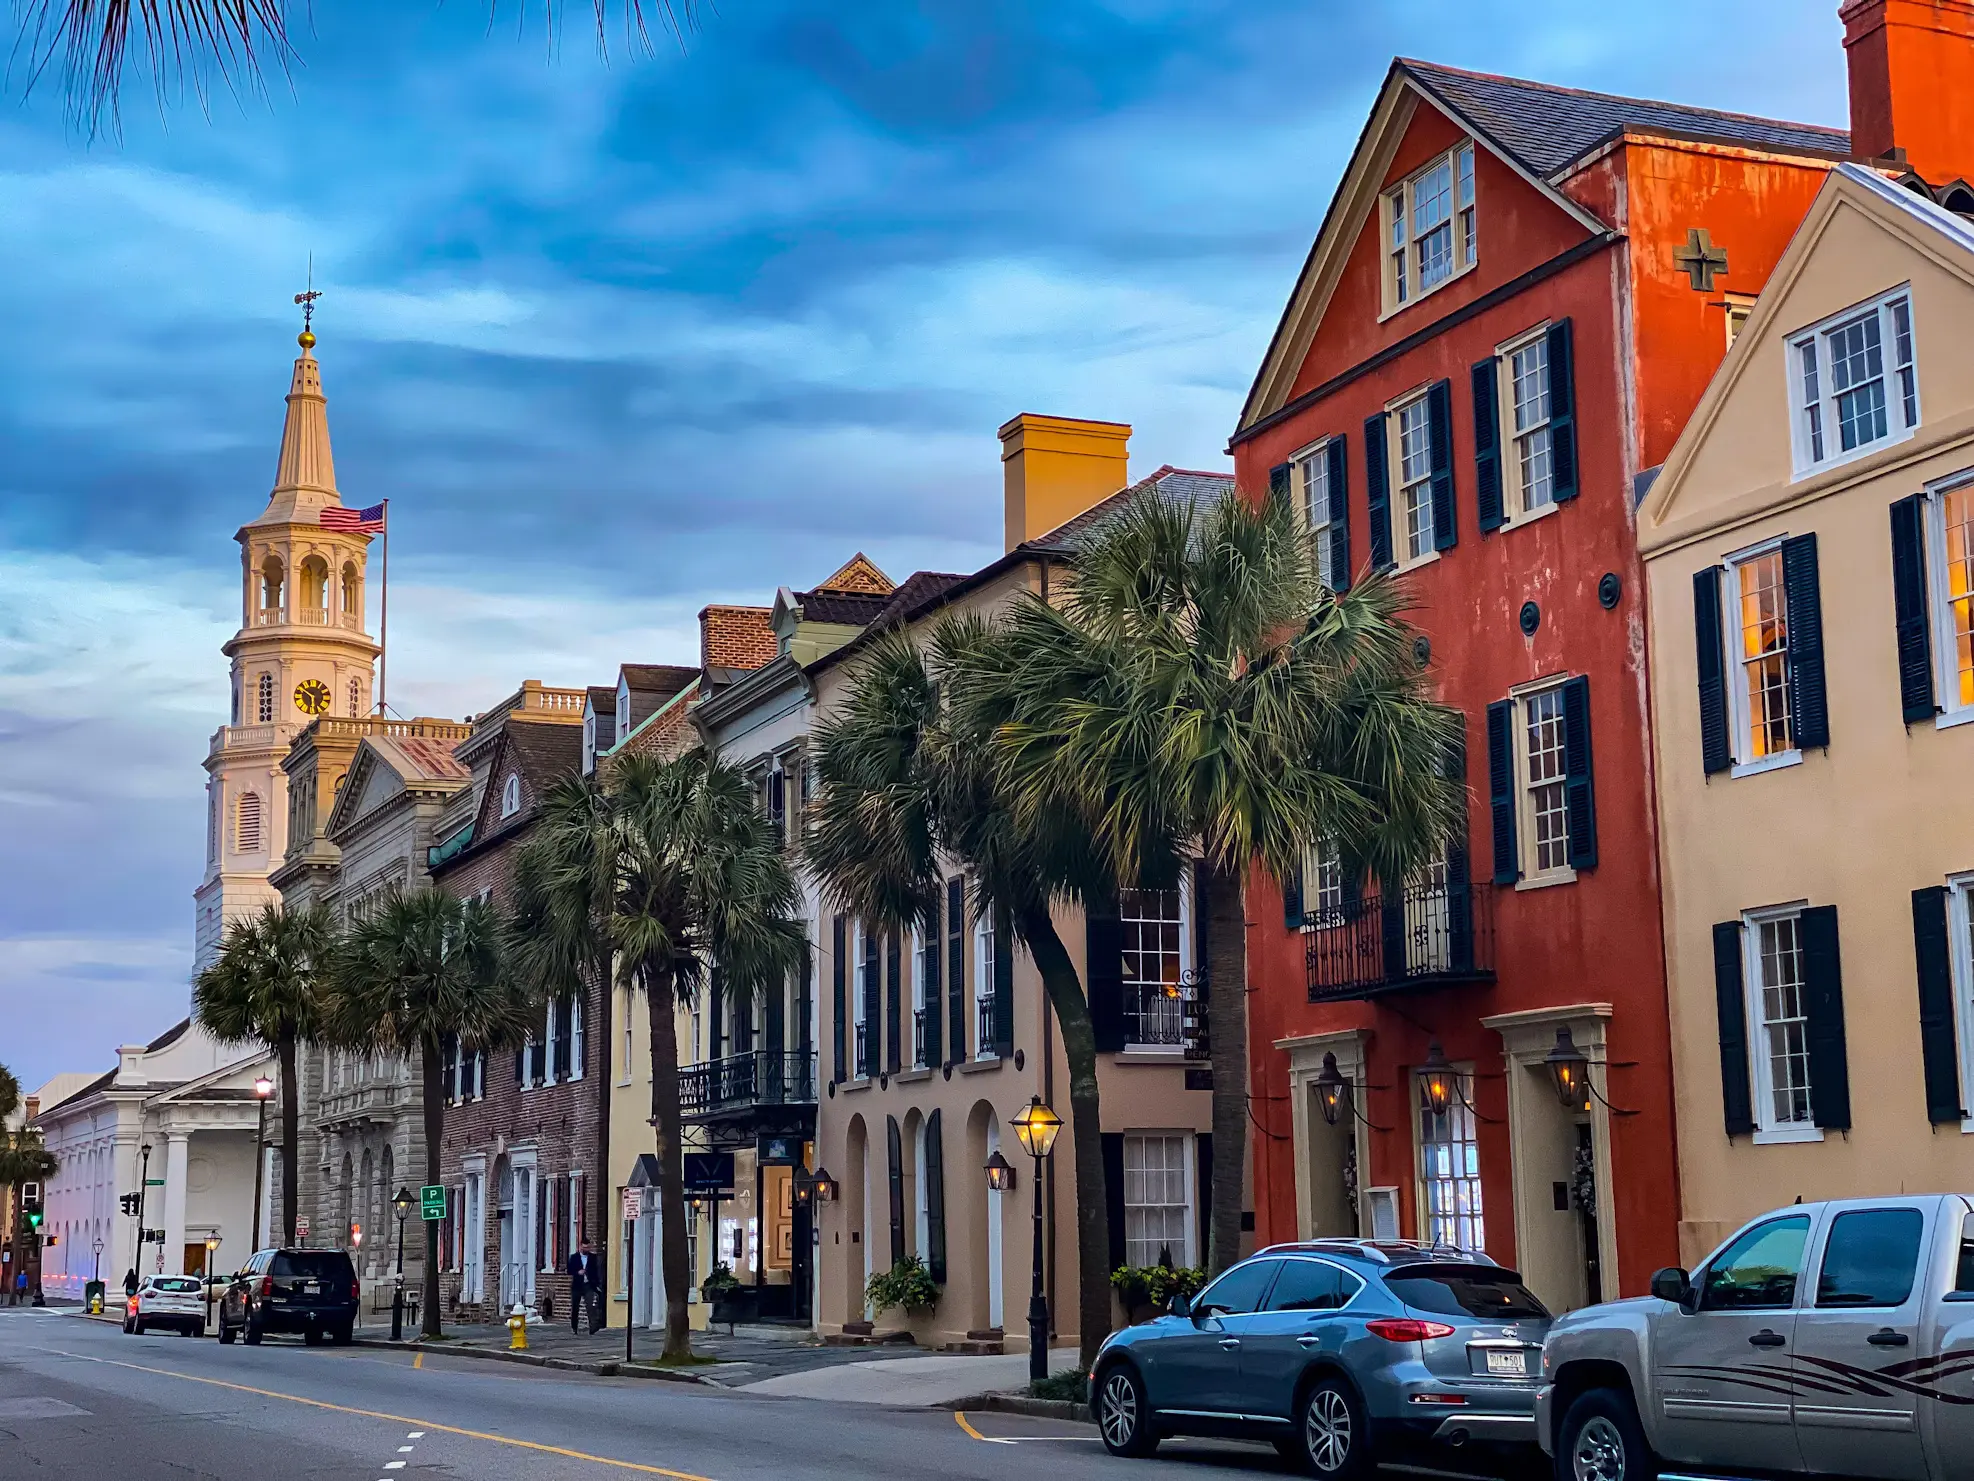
384 622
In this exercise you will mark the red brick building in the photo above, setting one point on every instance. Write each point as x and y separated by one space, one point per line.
1516 298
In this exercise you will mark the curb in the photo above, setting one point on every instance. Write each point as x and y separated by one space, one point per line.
1022 1404
606 1368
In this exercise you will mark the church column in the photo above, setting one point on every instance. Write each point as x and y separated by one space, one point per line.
177 1149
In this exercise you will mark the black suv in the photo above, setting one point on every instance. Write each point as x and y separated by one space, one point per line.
313 1292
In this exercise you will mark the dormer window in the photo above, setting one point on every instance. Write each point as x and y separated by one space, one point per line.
1430 229
1855 383
510 795
623 708
589 742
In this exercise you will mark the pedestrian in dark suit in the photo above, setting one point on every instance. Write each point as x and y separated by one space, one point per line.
585 1284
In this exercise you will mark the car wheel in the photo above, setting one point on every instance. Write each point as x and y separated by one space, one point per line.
1332 1434
137 1326
253 1333
313 1337
1123 1413
1602 1440
343 1336
225 1335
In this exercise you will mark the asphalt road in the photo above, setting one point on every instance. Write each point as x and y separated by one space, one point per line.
79 1401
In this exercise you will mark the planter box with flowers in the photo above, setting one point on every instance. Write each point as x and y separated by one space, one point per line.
1145 1290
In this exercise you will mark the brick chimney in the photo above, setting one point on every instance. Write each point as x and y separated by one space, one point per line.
1054 468
1912 83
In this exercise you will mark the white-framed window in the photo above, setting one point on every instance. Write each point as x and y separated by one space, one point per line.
1545 812
1854 383
1412 431
1313 493
264 699
1949 534
1758 682
985 988
1431 233
1778 1024
247 823
577 1040
1156 936
589 742
626 1002
1740 308
1158 1197
510 795
573 1234
1322 885
1449 1170
551 1042
862 960
1528 483
919 1005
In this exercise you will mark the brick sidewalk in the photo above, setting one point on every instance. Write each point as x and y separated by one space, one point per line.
749 1355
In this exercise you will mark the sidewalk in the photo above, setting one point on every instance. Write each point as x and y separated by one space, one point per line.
932 1381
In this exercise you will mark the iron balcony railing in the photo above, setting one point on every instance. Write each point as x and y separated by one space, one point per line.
1153 1013
719 1087
1427 935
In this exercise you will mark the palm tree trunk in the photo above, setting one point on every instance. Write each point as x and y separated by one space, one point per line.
1226 1023
432 1087
660 1001
1079 1047
291 1139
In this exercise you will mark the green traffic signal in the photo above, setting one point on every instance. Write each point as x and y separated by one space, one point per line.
34 1216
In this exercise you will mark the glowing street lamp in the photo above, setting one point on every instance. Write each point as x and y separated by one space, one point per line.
263 1088
1436 1077
1035 1126
1570 1070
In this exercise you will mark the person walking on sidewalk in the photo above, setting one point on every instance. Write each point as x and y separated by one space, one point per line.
585 1286
20 1287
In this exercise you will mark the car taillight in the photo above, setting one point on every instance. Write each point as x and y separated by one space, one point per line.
356 1290
267 1285
1407 1329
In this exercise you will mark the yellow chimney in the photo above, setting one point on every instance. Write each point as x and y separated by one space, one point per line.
1054 468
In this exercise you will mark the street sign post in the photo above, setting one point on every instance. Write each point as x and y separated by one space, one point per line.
432 1202
301 1226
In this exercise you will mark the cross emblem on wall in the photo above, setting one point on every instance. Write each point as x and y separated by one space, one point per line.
1701 260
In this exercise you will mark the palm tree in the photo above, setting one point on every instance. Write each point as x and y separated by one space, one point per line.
647 878
907 784
266 987
1200 689
23 1159
421 968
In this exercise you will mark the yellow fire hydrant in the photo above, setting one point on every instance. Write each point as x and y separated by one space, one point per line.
517 1324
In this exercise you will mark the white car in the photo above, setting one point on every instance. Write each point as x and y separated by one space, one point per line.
166 1301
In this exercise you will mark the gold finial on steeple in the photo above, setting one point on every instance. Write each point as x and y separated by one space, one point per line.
306 339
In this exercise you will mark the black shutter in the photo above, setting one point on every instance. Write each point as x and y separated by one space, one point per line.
1113 1145
1203 1181
1562 414
1823 1006
805 991
873 989
1103 970
935 1002
935 1193
1338 454
1731 1007
1579 781
563 1013
1912 620
520 1066
1711 653
1459 908
1003 983
1488 503
716 1015
1501 789
894 1149
1280 477
956 969
840 1001
777 807
1378 491
773 1019
1439 431
1939 1045
894 1006
1292 899
538 1057
1809 704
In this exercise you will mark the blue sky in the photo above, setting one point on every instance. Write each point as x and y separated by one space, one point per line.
618 338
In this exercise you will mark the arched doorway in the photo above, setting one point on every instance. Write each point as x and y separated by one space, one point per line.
856 1221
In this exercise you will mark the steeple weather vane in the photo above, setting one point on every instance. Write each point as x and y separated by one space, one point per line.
306 339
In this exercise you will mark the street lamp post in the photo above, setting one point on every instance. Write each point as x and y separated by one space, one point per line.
1035 1125
212 1248
96 1270
402 1203
143 1193
263 1088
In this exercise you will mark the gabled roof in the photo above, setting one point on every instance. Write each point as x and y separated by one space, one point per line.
1176 485
853 609
657 678
858 574
602 697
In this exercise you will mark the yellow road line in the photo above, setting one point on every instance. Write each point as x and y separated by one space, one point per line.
418 1360
967 1427
449 1429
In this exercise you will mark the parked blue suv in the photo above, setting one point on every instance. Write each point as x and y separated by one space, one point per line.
1337 1351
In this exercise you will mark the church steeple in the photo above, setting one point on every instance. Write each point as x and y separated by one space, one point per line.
305 477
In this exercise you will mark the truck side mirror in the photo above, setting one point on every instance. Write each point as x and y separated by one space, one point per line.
1672 1284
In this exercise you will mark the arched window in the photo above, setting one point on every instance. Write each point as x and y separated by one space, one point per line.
315 591
246 823
266 706
352 595
510 796
271 589
356 696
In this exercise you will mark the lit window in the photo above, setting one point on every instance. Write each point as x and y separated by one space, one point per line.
510 796
1431 227
1780 1021
1153 926
246 823
1158 1215
1758 677
1856 383
1957 540
1449 1172
1415 472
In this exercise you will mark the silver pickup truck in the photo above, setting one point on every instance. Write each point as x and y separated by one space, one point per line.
1824 1339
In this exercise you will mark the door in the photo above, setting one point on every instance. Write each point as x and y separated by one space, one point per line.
1725 1368
1195 1365
1864 1320
1301 1320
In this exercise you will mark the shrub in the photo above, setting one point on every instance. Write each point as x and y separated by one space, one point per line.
908 1284
1154 1285
1073 1385
720 1282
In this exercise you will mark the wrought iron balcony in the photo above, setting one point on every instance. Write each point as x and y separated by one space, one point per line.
1429 935
1154 1013
717 1088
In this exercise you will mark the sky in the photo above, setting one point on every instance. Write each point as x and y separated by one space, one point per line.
620 336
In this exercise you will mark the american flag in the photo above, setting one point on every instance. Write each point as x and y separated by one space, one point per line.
357 521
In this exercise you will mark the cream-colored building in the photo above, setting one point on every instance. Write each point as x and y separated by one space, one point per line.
1810 551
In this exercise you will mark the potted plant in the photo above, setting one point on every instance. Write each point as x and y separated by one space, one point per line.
725 1294
907 1284
1145 1290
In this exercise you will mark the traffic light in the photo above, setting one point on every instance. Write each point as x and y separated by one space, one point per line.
129 1203
34 1215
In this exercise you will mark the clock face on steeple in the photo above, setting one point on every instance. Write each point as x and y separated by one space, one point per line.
312 697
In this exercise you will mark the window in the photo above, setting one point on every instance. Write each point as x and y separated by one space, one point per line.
1778 1027
1158 1219
1761 653
1431 232
573 1067
1153 930
1527 367
919 1006
860 1002
1239 1291
1312 1285
1545 811
510 796
352 595
1449 1172
1855 383
985 985
265 699
1740 308
246 823
1312 475
213 802
1453 1290
356 696
1415 474
1323 884
1758 1271
1871 1258
589 743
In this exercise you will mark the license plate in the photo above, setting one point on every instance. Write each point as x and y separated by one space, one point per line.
310 1288
1509 1364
